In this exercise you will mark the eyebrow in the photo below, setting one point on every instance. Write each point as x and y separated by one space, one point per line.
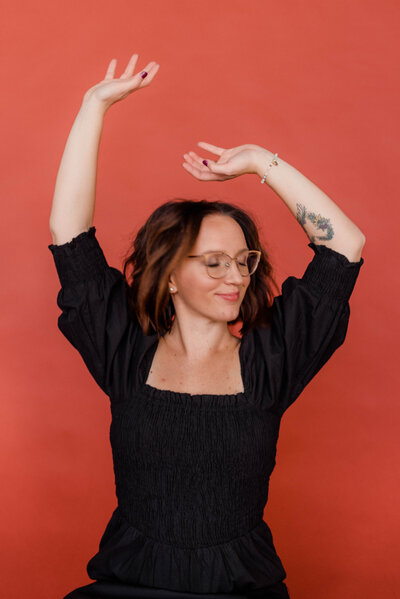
211 251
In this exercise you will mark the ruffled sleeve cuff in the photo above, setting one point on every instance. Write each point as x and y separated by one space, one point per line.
332 273
80 259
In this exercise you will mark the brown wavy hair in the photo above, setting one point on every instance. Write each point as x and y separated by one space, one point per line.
164 240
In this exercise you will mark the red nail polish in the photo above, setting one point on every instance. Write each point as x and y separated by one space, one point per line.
205 162
143 75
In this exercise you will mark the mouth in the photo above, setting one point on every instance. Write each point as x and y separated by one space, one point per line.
231 297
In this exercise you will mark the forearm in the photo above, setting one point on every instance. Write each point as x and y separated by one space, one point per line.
322 220
75 191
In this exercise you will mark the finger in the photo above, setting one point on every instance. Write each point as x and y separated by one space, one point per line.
151 69
111 69
137 81
198 161
211 148
201 175
130 67
223 169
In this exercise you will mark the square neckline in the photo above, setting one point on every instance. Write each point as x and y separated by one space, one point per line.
221 398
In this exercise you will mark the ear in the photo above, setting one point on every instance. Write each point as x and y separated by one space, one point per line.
172 284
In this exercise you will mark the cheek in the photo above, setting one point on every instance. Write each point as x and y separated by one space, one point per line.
246 283
195 285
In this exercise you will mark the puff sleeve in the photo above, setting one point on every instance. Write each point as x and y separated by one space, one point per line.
309 321
94 312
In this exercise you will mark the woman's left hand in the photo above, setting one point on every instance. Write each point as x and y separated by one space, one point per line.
232 162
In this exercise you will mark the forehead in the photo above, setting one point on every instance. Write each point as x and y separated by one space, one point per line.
219 232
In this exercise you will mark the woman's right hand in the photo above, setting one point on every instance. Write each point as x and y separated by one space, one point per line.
112 90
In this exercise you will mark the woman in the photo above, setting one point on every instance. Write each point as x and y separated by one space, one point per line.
195 409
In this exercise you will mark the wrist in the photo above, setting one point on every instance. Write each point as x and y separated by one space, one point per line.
266 167
92 104
261 160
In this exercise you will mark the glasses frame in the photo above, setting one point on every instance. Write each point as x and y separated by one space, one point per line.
227 264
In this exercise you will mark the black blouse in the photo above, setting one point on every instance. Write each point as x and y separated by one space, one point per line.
192 471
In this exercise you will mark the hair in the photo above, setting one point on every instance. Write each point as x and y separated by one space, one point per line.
164 240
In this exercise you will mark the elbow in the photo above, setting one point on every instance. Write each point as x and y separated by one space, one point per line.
355 256
362 243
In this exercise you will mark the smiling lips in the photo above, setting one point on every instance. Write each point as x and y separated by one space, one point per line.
232 297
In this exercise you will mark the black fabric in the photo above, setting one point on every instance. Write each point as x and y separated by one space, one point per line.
192 471
99 590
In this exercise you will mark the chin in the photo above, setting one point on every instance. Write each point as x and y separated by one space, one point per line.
232 316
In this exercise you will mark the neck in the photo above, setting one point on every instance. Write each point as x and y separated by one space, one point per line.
201 340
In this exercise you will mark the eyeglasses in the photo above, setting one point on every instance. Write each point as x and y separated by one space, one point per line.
217 264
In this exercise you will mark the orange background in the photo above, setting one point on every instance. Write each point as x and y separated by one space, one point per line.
316 82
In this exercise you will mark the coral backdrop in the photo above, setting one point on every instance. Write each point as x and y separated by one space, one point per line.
316 82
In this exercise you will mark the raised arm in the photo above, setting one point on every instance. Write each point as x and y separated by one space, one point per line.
322 220
72 210
73 204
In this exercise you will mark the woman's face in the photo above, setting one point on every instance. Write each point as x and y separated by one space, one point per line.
198 293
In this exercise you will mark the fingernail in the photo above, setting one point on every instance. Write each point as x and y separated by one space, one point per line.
205 162
143 75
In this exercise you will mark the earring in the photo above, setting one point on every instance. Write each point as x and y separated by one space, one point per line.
171 288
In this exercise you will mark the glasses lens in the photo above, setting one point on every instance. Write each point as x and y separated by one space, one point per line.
216 265
254 261
247 263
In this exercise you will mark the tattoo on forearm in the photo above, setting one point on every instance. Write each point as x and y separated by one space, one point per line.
317 220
